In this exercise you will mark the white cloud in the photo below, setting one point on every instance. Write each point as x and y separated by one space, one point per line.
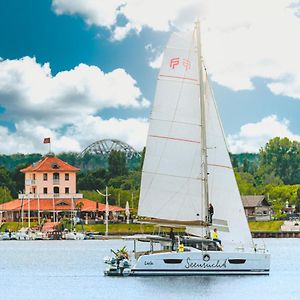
131 131
28 91
241 39
156 56
156 62
29 139
253 136
120 32
41 105
101 13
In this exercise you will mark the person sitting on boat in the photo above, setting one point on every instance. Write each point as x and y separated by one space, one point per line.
180 247
210 213
215 237
172 237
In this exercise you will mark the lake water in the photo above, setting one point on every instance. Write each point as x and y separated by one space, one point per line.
73 270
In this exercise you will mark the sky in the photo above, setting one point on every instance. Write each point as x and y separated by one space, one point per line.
79 71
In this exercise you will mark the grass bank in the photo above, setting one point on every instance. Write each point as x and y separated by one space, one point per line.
117 228
265 225
15 226
141 228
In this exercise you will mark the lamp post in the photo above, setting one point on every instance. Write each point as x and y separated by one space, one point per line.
106 209
22 207
28 214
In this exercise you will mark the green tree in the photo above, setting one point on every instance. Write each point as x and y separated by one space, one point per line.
5 195
19 178
117 165
246 183
6 181
92 180
282 158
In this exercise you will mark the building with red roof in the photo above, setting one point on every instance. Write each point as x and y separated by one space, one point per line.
50 193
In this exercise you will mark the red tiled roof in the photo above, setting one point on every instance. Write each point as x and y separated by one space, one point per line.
59 204
47 163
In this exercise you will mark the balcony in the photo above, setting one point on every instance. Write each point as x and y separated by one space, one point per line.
29 182
55 181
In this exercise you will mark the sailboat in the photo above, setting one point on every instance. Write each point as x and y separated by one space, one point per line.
186 168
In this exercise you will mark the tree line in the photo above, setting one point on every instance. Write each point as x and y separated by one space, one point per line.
274 172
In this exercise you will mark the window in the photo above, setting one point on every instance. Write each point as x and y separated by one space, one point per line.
67 190
56 190
55 175
33 176
45 190
45 176
62 204
67 177
34 190
55 166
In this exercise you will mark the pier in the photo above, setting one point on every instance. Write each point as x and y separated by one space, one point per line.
276 234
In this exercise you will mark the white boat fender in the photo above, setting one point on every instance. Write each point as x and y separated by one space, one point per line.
125 263
126 272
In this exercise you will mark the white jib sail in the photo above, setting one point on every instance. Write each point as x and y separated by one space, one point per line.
229 216
171 179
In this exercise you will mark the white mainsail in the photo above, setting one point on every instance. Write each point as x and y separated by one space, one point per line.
171 178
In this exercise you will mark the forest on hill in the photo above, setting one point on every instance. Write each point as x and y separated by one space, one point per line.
274 172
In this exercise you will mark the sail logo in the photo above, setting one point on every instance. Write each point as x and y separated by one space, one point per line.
176 61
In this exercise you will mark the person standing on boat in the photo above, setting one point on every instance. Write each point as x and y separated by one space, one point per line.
172 237
215 237
210 213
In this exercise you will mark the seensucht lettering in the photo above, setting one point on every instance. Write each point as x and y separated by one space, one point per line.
205 265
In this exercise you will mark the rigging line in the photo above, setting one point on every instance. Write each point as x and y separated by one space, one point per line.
179 77
216 108
177 122
176 176
176 107
174 139
220 166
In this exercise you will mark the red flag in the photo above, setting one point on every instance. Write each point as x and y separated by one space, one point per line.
46 140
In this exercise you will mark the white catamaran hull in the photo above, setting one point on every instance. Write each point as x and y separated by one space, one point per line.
202 263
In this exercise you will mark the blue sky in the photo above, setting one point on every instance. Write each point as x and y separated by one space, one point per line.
82 70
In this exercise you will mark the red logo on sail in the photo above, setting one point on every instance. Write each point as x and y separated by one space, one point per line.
175 61
186 63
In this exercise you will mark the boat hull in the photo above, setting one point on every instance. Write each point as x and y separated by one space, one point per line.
202 263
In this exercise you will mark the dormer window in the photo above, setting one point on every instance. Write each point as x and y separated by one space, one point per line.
55 165
62 204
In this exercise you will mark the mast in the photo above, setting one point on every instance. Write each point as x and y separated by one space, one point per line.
203 126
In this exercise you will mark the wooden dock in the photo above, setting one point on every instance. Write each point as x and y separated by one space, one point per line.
276 234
